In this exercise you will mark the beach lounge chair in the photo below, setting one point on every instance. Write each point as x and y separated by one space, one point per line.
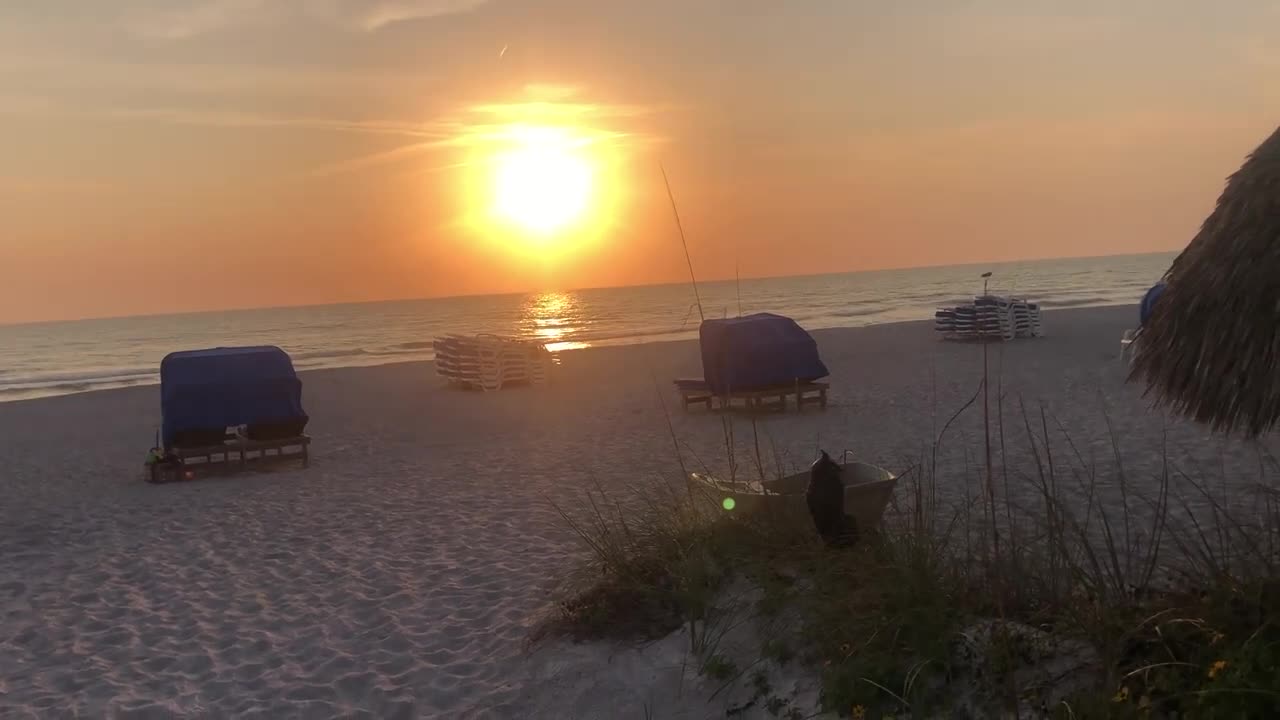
490 362
989 317
1128 345
696 391
226 407
1129 340
759 361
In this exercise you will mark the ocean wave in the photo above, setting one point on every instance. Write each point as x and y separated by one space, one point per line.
32 381
10 392
1083 302
858 312
589 337
55 389
327 358
328 354
415 345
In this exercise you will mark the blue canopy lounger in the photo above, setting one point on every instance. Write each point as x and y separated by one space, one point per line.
696 391
227 405
1129 341
758 360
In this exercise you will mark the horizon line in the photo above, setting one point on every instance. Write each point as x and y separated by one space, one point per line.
210 311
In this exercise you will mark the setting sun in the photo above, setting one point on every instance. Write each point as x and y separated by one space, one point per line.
543 184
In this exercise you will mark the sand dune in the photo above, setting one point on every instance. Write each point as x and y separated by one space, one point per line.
400 575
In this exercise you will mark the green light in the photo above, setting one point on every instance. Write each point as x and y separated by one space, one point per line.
728 503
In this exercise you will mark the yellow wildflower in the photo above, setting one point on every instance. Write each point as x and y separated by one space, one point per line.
1121 695
1217 667
858 713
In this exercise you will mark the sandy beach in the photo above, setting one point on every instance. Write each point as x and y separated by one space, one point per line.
401 574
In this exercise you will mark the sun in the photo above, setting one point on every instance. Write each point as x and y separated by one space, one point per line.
542 183
541 187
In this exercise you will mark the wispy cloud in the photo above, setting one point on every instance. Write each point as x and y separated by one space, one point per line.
475 125
72 75
234 119
491 123
381 158
374 15
28 105
198 17
544 104
53 186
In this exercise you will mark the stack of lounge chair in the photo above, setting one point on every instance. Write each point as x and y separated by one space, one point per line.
990 317
491 362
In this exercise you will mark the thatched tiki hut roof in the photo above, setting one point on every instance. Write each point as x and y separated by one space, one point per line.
1211 349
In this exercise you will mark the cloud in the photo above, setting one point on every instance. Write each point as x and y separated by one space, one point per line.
235 119
488 124
542 103
75 75
198 17
381 158
371 16
592 121
202 17
53 186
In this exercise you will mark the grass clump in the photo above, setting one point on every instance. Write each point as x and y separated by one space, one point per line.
879 621
659 561
1100 597
719 667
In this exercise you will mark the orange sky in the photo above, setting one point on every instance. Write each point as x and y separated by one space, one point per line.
202 154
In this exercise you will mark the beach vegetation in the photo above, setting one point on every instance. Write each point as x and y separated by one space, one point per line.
1103 596
1108 596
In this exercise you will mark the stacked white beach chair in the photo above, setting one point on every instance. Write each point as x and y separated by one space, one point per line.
990 317
491 362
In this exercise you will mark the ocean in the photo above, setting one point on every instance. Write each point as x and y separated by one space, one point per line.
44 359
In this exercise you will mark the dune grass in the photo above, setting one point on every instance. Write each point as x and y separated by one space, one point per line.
1181 608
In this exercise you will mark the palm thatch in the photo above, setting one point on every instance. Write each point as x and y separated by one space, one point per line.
1211 349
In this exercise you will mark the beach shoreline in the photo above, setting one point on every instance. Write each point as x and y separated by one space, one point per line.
50 359
402 572
427 357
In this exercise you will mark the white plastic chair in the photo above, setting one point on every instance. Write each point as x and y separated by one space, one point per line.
1128 344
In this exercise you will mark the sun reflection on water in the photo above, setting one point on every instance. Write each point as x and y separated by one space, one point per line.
555 319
